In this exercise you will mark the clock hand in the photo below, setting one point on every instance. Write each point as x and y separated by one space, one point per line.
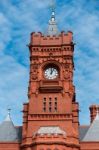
51 71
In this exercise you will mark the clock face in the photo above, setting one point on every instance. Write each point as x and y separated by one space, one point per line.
51 73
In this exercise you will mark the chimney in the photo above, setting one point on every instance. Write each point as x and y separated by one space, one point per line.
93 111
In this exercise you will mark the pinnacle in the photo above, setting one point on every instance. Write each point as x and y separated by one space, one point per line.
52 27
8 118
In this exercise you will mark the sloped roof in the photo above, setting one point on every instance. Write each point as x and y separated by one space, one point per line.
82 131
19 132
93 131
8 131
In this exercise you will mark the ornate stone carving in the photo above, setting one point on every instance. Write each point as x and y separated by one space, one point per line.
66 74
34 75
34 72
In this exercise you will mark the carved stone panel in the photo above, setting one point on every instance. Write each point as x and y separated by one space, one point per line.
34 72
66 74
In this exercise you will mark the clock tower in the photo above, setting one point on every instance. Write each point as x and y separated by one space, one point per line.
50 118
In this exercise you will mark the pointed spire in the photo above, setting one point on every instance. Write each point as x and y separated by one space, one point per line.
8 118
8 131
52 27
53 11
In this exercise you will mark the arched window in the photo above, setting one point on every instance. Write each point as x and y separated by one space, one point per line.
44 104
55 104
50 104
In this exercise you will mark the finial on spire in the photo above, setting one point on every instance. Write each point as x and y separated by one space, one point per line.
9 110
52 5
52 27
8 118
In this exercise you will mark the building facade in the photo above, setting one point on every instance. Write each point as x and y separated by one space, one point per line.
51 117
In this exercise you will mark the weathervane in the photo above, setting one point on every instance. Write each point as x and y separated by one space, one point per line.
52 5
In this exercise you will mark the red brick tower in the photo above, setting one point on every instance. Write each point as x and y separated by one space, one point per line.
50 118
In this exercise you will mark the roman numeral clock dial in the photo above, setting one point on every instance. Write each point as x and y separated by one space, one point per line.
51 73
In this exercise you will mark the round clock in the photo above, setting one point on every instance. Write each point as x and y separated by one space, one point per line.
51 73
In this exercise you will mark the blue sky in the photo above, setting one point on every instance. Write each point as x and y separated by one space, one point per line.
18 18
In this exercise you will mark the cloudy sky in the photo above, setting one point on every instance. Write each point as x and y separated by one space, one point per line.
18 18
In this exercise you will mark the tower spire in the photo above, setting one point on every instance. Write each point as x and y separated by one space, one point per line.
52 26
53 10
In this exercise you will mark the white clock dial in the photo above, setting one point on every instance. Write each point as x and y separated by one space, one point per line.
51 73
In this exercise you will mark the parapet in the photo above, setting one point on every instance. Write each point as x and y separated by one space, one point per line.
55 40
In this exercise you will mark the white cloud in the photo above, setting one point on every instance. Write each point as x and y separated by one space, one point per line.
13 84
5 35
